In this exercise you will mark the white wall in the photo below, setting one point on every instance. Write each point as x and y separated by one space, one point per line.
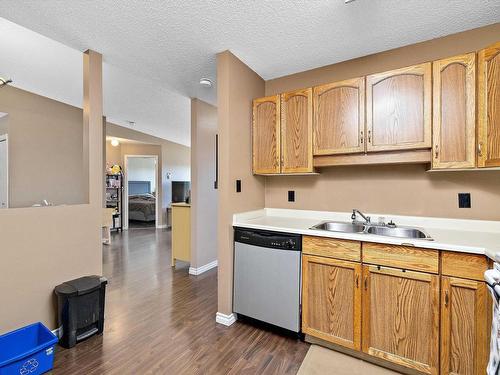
142 169
177 167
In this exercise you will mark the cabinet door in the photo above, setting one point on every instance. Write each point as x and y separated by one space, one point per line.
454 128
331 300
465 324
339 117
296 131
401 317
398 109
488 97
266 135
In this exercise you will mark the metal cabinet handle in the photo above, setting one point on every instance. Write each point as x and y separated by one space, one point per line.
366 282
480 148
357 281
446 299
436 151
361 137
369 136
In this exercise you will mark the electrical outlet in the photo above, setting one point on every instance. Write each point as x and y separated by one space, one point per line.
464 200
291 195
238 186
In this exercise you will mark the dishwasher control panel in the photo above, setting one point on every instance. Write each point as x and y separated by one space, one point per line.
275 240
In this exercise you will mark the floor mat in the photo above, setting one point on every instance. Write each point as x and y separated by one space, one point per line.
321 361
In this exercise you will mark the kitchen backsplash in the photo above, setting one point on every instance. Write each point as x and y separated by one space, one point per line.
403 190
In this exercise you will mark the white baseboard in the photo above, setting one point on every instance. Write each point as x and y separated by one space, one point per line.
163 226
224 319
204 268
57 332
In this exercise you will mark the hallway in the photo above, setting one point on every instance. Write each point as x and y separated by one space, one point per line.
162 321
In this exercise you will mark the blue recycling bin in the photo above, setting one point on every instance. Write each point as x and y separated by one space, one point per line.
27 351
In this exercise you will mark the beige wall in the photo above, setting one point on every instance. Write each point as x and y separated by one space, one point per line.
113 154
203 194
237 85
3 125
174 160
396 189
403 190
45 149
42 247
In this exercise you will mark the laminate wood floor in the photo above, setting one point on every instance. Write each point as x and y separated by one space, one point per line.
161 320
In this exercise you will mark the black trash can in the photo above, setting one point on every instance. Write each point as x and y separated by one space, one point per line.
81 308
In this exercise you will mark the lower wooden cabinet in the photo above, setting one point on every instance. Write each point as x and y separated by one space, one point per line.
401 317
465 325
429 320
331 300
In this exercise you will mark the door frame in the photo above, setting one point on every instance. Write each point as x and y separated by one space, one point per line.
125 190
5 138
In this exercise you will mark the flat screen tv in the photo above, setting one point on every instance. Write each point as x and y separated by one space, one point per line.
180 191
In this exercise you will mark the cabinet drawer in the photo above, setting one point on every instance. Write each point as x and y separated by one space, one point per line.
332 248
468 266
406 257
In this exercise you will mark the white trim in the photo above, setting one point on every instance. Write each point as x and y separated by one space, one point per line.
204 268
58 332
125 190
5 138
224 319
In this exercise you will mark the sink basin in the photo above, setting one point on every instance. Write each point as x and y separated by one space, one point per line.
340 226
349 227
401 232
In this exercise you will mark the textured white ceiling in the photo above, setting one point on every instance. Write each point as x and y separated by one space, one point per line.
51 69
174 42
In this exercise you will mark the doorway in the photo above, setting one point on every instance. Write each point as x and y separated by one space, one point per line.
141 192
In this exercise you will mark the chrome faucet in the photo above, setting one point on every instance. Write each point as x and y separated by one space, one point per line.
358 212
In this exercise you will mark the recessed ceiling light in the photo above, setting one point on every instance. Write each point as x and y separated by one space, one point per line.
206 82
348 1
115 142
131 123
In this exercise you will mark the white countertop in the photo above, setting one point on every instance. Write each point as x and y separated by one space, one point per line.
469 236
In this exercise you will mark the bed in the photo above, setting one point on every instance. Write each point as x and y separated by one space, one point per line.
141 202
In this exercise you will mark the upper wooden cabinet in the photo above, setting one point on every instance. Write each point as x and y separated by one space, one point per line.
339 117
489 106
296 131
398 109
423 113
454 105
266 135
401 317
331 300
465 325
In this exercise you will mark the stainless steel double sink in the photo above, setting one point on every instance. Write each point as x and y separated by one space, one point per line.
377 229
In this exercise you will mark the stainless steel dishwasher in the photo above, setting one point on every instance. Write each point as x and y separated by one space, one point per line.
267 277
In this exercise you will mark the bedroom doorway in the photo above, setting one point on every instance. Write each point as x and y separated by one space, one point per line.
141 192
